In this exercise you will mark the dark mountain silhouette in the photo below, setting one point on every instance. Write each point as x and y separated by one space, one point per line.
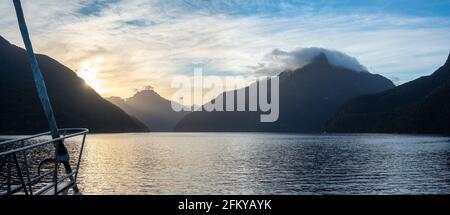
152 109
75 104
308 97
419 106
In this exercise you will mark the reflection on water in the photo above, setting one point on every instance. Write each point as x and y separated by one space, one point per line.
261 163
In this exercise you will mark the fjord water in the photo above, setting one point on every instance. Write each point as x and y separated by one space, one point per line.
265 163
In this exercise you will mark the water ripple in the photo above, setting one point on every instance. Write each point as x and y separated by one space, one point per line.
263 163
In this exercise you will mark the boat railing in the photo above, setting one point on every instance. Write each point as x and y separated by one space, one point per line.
30 165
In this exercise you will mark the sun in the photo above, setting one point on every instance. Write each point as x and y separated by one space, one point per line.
90 78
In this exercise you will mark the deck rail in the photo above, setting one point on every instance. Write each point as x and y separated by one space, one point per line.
29 165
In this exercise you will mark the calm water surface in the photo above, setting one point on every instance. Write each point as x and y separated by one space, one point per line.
263 163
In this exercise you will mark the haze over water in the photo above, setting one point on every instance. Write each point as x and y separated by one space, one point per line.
265 163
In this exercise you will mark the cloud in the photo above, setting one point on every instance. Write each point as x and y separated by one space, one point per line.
277 60
134 43
94 7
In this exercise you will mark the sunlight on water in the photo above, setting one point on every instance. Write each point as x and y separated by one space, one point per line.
259 163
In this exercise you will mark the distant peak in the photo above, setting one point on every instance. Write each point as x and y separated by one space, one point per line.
146 92
321 58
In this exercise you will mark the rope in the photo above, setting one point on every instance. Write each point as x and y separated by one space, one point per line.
62 156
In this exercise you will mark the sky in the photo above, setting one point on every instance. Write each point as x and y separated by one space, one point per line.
122 45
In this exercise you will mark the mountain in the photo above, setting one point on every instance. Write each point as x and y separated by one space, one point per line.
152 109
419 106
75 104
308 97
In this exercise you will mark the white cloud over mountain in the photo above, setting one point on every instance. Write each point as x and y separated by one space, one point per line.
278 61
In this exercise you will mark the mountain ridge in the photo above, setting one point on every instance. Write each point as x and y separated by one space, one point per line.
412 107
151 108
75 104
308 96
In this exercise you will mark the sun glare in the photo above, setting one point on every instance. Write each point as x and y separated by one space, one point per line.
90 78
